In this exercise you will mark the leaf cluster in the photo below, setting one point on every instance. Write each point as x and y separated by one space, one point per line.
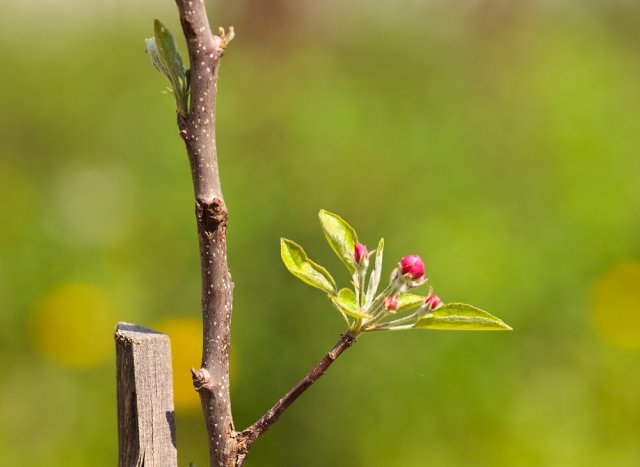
361 306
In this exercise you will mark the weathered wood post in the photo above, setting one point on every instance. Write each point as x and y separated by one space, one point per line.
146 421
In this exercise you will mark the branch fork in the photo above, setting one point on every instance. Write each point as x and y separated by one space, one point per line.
227 447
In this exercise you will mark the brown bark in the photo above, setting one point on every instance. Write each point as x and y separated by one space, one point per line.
197 129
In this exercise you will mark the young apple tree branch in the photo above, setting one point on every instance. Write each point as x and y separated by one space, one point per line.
197 128
195 93
363 307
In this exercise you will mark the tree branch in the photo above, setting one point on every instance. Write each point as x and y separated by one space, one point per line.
197 129
227 448
251 434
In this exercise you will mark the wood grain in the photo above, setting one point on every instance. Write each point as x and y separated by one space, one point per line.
146 421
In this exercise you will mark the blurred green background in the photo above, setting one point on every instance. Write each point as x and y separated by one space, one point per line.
499 140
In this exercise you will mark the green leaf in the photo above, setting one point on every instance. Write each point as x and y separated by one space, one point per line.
296 261
163 50
374 278
347 303
169 54
461 317
340 236
408 301
152 50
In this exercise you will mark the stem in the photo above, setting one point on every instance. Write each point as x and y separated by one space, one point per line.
395 328
376 307
361 287
251 434
406 319
197 129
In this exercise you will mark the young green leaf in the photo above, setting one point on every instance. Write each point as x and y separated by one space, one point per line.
340 236
347 303
152 50
163 50
296 261
408 301
461 317
374 278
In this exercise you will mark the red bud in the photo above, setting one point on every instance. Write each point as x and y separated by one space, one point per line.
412 266
433 302
360 253
391 303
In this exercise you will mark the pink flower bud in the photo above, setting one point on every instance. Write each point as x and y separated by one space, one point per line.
433 302
391 303
360 253
412 266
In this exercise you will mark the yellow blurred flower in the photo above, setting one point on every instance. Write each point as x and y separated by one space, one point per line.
615 306
72 325
186 353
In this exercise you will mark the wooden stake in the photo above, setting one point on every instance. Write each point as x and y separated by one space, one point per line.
146 421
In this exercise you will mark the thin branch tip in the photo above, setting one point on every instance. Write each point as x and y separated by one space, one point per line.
248 436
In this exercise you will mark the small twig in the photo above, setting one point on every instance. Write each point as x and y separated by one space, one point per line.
251 434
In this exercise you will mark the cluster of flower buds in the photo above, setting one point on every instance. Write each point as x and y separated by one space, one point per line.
410 273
